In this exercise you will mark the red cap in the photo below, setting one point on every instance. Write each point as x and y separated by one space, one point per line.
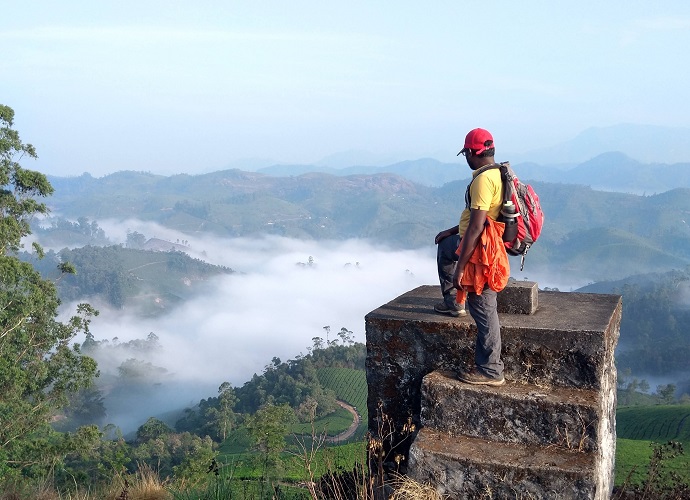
475 140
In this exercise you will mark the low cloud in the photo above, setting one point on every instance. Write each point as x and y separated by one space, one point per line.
273 305
283 293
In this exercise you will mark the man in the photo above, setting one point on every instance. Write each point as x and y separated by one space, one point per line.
455 247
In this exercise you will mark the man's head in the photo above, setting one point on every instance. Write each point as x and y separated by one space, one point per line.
479 143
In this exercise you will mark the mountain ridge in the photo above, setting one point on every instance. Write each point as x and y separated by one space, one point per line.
613 171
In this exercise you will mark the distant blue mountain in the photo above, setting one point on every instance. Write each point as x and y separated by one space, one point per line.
644 143
424 171
612 171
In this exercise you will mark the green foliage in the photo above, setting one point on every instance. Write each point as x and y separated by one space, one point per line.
84 407
127 277
61 232
333 423
349 385
585 232
39 368
646 469
183 457
214 417
234 203
18 187
221 483
654 423
632 459
328 353
135 239
328 459
654 334
294 381
269 425
152 429
642 460
237 442
633 392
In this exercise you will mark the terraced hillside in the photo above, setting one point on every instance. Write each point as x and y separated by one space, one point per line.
350 386
639 428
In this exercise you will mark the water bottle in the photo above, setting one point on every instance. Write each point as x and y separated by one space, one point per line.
509 218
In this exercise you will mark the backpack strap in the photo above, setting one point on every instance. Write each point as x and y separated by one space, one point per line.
480 171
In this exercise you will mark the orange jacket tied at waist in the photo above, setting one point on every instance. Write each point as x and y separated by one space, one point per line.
488 264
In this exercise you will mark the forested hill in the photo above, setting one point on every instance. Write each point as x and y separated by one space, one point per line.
654 326
149 282
601 234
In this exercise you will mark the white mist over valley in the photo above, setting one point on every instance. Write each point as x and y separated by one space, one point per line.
284 291
272 306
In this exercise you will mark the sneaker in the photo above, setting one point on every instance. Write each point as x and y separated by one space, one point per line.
443 308
475 377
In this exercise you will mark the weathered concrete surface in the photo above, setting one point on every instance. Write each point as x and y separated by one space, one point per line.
519 297
567 344
514 413
471 468
564 343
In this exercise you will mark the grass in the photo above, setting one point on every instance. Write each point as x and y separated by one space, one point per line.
249 464
638 428
654 423
632 460
333 424
349 385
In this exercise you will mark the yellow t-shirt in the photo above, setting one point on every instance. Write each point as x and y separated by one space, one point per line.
486 193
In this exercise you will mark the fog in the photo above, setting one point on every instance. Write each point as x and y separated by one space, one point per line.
272 306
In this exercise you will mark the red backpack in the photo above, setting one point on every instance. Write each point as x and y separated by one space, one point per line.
530 217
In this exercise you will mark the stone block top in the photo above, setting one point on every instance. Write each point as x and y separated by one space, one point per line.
557 311
569 341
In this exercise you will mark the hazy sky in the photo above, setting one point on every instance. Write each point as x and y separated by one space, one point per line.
170 86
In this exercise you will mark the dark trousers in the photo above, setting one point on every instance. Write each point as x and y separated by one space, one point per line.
446 259
482 308
487 353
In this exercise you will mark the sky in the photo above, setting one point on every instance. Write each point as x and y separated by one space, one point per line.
190 87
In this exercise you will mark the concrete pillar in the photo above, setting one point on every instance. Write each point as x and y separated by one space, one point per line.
549 432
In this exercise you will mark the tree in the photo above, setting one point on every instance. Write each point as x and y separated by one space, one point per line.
268 428
39 368
644 386
153 428
318 343
269 425
666 393
222 416
346 336
85 407
18 187
135 239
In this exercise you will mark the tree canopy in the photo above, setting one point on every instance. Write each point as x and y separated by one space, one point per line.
39 365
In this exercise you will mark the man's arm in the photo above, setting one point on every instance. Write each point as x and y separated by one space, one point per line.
444 234
469 242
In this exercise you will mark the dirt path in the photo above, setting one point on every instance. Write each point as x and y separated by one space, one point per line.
349 432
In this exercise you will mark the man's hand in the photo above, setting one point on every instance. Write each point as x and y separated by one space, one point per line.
457 278
445 233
